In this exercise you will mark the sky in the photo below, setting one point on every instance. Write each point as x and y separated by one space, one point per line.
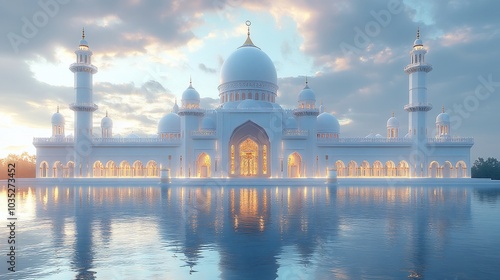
352 51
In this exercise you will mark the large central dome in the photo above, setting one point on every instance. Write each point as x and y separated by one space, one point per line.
248 63
248 73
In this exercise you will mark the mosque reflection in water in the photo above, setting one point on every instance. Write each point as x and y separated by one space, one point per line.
260 233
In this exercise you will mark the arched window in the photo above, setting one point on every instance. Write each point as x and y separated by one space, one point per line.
237 96
243 96
264 159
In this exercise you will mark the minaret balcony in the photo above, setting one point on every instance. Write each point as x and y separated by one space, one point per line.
418 107
85 107
306 112
83 67
191 112
417 67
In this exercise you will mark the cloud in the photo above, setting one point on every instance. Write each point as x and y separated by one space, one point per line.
206 69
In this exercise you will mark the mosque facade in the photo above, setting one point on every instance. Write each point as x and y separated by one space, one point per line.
249 135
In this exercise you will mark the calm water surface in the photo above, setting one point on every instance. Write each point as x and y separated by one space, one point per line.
85 232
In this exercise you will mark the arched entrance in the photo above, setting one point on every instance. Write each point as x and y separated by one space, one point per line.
203 165
294 165
98 169
44 169
340 166
447 169
249 151
461 169
433 169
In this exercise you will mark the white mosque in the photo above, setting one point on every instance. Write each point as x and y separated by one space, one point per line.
249 135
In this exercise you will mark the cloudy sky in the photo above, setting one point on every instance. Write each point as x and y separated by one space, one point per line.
353 52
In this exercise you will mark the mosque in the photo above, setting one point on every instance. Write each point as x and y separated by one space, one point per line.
249 135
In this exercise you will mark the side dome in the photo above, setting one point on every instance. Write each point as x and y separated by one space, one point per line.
57 118
393 122
190 96
170 123
443 118
106 122
307 94
326 122
208 123
291 123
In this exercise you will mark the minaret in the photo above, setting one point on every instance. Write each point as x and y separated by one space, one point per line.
83 107
418 106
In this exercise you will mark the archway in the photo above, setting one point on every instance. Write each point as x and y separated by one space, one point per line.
111 170
249 150
434 169
70 170
365 169
403 169
124 169
378 169
461 169
294 165
203 165
98 169
57 170
340 166
137 169
447 169
390 168
44 169
352 169
151 169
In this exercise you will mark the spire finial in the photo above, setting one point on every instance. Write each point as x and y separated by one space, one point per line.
190 81
83 33
306 82
106 113
442 109
418 32
58 108
248 41
248 23
393 114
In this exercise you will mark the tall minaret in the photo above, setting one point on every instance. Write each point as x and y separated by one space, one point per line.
418 106
83 107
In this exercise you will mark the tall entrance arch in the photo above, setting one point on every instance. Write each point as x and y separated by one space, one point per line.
249 150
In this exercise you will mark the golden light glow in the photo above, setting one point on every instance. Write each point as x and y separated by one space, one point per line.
232 159
249 153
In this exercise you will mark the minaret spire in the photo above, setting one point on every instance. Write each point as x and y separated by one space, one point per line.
83 33
418 32
58 108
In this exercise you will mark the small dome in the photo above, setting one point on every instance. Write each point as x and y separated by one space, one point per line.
170 123
307 94
106 122
230 105
208 123
57 118
326 122
418 42
175 108
443 118
191 95
378 136
393 122
371 135
291 123
249 104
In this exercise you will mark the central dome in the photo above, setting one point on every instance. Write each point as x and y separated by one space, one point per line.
248 63
248 73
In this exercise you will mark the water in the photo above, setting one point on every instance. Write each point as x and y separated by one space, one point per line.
83 232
